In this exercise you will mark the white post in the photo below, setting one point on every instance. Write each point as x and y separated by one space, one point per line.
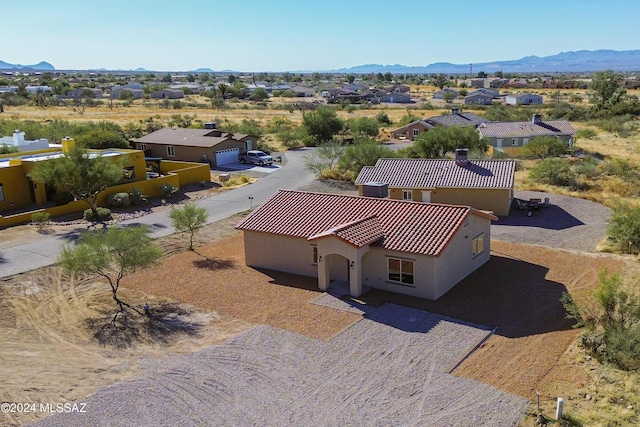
559 408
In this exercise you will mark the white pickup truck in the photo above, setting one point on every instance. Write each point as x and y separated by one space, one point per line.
256 157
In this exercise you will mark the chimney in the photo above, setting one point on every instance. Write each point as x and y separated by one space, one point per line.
536 119
462 158
375 189
455 111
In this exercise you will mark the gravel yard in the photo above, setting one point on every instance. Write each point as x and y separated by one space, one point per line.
568 223
388 369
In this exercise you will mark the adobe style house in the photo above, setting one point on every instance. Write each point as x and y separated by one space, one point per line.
20 196
209 145
510 137
484 184
419 249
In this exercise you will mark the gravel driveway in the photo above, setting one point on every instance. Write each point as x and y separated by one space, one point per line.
569 223
388 369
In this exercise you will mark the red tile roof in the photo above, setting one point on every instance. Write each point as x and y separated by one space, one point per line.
413 227
440 173
359 233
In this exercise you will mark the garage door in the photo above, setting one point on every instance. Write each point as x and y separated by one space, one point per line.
227 156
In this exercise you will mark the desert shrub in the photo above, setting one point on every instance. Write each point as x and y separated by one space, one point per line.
103 214
351 108
619 167
168 189
497 154
136 196
383 118
545 146
587 169
553 172
614 124
624 227
611 318
118 200
586 133
290 138
41 219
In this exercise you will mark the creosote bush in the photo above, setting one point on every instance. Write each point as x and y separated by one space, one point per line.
104 214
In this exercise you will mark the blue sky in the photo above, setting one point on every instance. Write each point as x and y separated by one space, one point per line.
280 35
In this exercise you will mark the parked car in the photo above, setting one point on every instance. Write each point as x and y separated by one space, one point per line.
256 157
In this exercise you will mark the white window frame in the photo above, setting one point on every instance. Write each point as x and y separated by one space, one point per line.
171 151
315 253
143 147
406 193
514 141
477 245
403 262
416 132
1 193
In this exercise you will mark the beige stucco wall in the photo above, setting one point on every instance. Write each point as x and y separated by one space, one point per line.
188 154
433 276
496 200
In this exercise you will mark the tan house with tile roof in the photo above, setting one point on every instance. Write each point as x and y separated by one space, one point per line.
482 184
510 137
209 145
419 249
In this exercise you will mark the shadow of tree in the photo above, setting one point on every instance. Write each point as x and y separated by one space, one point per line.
163 324
213 264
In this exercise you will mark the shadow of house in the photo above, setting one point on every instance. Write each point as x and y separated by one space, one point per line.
508 294
551 217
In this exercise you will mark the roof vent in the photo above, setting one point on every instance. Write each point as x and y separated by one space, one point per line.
462 156
536 119
455 111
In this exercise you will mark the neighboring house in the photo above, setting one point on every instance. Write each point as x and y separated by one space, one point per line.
456 119
38 89
395 97
523 99
116 92
495 93
411 130
209 145
19 193
83 92
18 141
303 91
478 99
482 184
168 94
441 93
510 137
418 249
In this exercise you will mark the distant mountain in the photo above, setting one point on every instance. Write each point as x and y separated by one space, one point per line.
582 60
203 70
41 66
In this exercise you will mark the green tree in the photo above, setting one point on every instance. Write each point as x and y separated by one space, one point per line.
605 90
437 142
624 227
113 255
188 218
259 94
100 138
250 127
325 157
439 80
365 152
166 78
81 174
321 124
351 78
545 146
362 127
553 171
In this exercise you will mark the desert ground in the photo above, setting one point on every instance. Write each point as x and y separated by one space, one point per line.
54 350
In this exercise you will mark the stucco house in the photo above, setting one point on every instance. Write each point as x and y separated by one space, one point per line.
483 184
455 119
523 99
411 130
510 137
209 145
168 94
478 98
419 249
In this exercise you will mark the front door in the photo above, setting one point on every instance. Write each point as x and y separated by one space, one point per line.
426 196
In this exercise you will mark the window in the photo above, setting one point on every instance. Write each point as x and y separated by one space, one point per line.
407 194
1 193
416 132
143 147
171 151
248 145
400 271
478 245
315 254
514 141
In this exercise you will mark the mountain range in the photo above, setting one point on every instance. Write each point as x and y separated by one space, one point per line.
574 61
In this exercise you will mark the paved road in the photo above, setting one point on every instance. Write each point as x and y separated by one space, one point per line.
29 256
